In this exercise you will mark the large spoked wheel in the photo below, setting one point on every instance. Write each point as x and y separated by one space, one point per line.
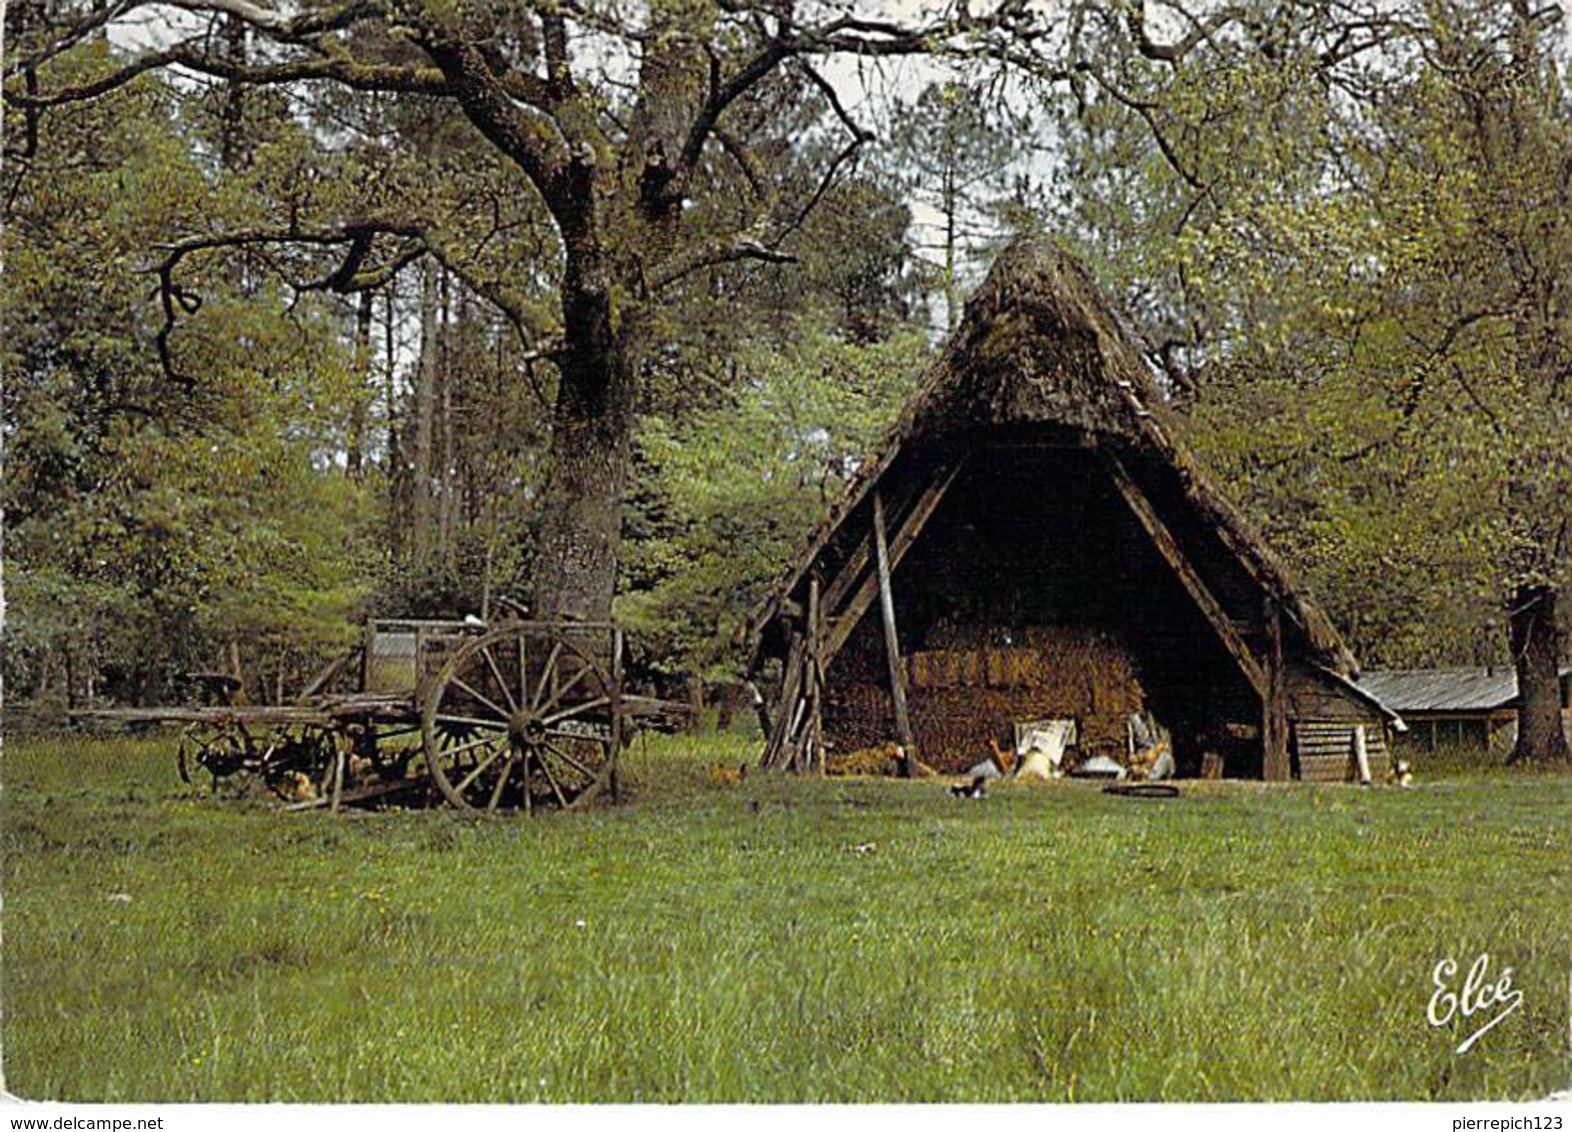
519 718
221 749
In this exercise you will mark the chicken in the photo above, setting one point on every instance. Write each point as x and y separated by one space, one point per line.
976 788
1004 760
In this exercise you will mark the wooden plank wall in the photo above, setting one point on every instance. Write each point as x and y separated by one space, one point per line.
1325 749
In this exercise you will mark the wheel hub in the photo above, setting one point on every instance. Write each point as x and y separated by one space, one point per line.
526 729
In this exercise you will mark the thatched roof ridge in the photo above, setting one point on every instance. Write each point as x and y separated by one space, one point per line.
1040 343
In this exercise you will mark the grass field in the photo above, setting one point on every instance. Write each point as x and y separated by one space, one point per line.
778 941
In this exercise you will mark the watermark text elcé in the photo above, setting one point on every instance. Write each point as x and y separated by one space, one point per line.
1477 995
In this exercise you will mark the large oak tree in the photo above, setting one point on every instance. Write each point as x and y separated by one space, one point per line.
613 120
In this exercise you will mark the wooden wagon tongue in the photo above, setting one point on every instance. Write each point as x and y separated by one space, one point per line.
1039 544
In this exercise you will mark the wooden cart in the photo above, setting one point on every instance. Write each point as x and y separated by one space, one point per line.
492 719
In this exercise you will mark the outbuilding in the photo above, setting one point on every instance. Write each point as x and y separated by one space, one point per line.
1469 709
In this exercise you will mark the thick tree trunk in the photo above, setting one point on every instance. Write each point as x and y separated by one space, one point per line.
1536 654
591 435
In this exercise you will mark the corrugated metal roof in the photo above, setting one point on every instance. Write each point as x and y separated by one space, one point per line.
1442 689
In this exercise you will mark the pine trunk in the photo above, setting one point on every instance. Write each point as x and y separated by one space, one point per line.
422 517
355 456
446 489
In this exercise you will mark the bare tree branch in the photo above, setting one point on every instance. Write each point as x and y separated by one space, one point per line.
338 68
71 35
736 249
309 23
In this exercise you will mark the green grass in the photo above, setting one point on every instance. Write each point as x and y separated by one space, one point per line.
704 943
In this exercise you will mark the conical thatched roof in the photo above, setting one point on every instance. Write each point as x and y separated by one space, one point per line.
1040 344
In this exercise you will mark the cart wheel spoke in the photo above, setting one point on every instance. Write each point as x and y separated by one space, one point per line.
502 783
507 693
551 779
480 768
524 668
471 721
547 671
571 761
576 709
556 696
454 752
502 713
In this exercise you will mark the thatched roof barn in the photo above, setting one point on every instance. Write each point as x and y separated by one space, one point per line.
1032 541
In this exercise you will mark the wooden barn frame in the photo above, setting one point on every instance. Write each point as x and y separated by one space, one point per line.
1037 542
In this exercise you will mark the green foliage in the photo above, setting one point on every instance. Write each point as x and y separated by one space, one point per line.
1363 286
148 522
727 494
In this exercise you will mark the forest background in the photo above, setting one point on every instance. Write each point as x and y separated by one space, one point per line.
326 310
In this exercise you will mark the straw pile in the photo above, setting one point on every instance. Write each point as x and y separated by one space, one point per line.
884 760
960 698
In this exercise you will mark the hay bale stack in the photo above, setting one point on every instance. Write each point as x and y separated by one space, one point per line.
857 716
963 696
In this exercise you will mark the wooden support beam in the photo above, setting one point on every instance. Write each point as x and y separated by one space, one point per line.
842 620
892 646
776 748
1168 547
813 679
854 572
1274 702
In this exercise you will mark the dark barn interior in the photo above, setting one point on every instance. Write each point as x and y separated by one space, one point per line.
1035 593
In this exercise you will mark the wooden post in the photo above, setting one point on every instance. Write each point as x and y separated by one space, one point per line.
1274 704
239 695
813 737
340 757
617 682
1361 755
695 704
367 632
892 646
776 753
